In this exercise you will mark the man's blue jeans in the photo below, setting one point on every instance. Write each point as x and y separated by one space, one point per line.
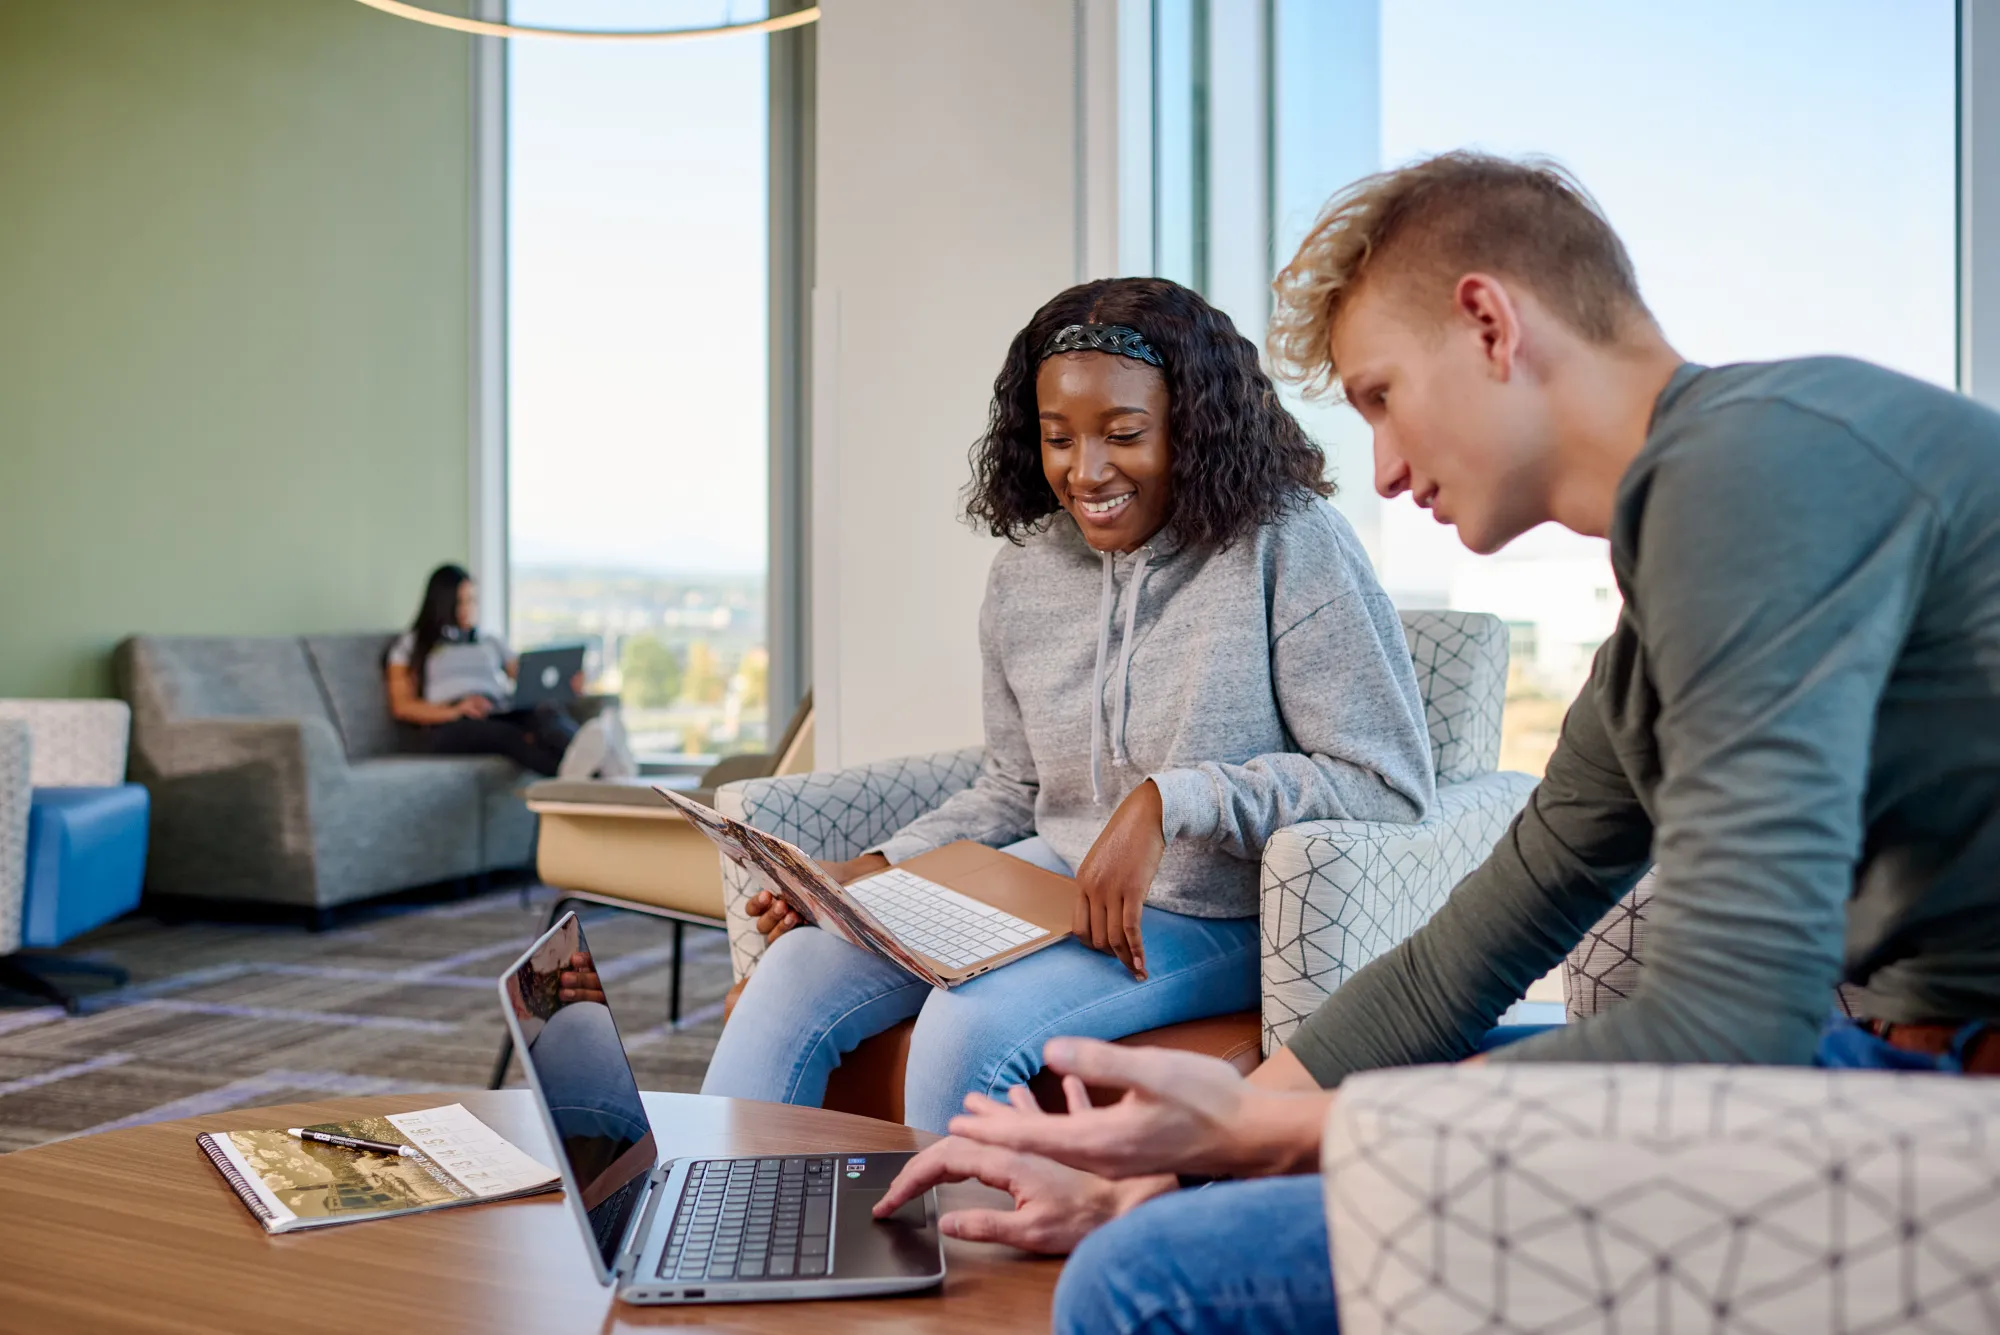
1230 1257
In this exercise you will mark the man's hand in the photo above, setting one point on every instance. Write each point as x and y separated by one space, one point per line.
1116 874
473 706
1181 1113
1054 1206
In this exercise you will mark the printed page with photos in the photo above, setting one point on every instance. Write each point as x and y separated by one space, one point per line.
288 1183
802 883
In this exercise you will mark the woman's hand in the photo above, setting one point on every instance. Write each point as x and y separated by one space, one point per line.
1115 876
771 915
774 917
473 706
579 982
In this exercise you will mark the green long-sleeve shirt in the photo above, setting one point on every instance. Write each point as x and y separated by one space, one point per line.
1797 719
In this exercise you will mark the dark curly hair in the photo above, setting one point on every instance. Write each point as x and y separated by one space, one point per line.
1240 460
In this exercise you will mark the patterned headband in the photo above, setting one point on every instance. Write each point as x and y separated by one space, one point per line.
1112 338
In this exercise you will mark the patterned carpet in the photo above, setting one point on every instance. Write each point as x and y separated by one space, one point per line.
234 1015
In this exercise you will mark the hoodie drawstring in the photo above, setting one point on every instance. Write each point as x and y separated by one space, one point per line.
1105 605
1106 609
1118 755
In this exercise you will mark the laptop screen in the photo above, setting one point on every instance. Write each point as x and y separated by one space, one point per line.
576 1059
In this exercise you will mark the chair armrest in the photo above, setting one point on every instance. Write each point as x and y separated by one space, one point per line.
234 798
1337 893
308 747
1602 1197
833 815
78 743
17 795
738 769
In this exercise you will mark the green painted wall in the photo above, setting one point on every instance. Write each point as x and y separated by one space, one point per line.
234 345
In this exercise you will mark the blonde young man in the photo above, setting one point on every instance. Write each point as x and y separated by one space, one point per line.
1798 717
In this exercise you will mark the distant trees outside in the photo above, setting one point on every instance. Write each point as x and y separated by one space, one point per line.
651 671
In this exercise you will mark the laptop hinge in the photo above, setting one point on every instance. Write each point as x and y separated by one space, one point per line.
642 1224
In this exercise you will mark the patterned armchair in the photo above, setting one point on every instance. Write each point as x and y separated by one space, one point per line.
1335 893
1727 1199
72 834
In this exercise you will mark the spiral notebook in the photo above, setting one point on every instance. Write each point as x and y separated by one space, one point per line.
291 1184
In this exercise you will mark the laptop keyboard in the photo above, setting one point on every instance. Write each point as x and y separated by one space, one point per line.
953 929
752 1219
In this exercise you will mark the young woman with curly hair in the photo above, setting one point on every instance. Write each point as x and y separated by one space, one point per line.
1185 650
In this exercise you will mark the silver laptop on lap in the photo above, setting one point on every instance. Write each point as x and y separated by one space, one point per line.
693 1230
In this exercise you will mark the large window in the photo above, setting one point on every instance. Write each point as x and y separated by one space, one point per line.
637 271
1783 171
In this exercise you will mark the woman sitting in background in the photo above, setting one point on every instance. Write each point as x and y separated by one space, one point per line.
456 685
1185 650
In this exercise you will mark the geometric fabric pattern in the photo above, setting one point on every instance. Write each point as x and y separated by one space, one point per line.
1461 662
1338 893
1723 1200
78 743
832 815
16 797
1604 967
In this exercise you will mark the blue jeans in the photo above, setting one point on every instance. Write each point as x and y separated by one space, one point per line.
1230 1257
814 998
1845 1045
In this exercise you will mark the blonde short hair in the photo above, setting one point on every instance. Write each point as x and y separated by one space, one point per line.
1426 225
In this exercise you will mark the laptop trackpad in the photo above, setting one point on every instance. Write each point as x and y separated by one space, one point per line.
904 1244
915 1212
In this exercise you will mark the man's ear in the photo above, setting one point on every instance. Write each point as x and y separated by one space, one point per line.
1485 306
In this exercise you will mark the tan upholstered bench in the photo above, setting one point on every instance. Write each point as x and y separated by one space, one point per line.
619 840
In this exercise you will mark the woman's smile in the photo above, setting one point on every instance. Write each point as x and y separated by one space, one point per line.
1102 509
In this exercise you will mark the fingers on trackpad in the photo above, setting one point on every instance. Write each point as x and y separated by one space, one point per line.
914 1212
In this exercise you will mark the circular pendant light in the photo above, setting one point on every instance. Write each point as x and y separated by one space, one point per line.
480 28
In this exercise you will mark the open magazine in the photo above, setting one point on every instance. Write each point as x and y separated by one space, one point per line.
795 878
290 1183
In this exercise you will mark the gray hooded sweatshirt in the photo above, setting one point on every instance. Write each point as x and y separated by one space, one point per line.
1258 687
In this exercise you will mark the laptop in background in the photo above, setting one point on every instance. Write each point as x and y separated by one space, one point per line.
544 675
753 1229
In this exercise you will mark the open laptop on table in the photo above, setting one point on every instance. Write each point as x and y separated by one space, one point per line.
753 1229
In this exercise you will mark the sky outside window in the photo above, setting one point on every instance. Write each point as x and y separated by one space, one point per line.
1784 175
637 337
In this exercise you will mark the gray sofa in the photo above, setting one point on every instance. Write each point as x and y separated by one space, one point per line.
278 775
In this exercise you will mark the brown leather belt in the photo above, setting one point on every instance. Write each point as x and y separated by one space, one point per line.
1981 1055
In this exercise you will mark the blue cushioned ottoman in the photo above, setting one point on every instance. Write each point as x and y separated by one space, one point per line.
86 860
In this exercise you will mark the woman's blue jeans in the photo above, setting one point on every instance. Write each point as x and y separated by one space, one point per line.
814 998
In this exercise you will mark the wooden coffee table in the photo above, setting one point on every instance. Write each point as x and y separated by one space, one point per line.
134 1231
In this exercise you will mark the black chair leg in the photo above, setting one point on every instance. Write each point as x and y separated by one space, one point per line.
19 978
506 1057
674 996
